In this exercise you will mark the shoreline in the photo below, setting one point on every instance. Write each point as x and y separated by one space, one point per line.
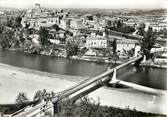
71 78
88 59
131 99
14 80
154 66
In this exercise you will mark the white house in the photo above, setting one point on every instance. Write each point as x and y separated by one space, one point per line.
64 23
35 38
160 60
125 44
55 41
96 42
91 52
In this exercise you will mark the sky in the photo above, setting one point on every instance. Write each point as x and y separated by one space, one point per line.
109 4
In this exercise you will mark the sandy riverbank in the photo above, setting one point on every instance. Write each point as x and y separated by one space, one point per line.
132 99
14 80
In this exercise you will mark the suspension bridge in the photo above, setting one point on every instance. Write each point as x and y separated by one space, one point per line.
85 87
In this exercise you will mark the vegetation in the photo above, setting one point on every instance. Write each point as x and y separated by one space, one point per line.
21 98
43 36
119 26
88 107
14 22
84 107
1 28
141 29
6 38
114 45
43 95
12 108
56 27
17 22
72 49
148 41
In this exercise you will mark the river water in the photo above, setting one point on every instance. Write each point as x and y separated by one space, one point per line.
151 77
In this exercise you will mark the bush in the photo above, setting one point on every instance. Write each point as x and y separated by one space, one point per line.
21 98
43 95
88 107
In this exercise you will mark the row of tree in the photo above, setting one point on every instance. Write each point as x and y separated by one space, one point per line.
39 95
118 25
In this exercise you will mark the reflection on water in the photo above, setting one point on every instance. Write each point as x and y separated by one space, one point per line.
152 77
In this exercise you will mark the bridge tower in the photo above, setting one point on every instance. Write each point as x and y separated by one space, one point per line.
144 59
137 50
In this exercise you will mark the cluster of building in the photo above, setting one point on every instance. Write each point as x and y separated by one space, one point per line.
88 30
156 22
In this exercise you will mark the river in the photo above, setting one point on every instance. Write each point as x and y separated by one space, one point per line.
151 77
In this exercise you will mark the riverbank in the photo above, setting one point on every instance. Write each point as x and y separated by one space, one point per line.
150 63
132 99
61 53
154 65
14 80
99 59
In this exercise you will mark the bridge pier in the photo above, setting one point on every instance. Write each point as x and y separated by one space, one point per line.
55 108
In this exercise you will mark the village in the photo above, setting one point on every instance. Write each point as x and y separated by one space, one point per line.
84 37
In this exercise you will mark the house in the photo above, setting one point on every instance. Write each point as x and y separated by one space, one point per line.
36 23
125 45
54 41
160 59
61 34
2 13
80 40
76 23
35 38
65 23
56 36
96 41
91 52
39 17
160 54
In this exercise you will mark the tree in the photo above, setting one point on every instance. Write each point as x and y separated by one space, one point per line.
21 98
40 94
72 49
43 94
56 27
1 28
17 22
6 38
148 42
119 23
9 22
141 28
114 45
43 36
